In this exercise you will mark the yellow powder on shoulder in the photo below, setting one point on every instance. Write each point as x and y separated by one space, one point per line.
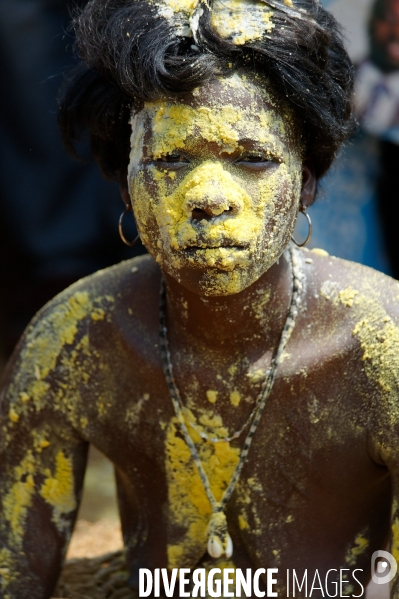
348 296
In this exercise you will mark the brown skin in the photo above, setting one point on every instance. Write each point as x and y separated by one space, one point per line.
385 37
324 466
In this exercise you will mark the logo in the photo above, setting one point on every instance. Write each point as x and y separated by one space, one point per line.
383 567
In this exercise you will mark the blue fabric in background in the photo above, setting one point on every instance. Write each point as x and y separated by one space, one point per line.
345 216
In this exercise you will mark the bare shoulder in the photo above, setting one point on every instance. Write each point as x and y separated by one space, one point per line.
60 350
350 285
94 299
359 307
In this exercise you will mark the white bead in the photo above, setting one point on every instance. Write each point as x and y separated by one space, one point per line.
215 547
229 547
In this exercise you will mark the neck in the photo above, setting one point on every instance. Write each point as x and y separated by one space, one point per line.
246 318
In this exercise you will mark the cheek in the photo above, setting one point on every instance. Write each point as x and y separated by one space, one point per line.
142 191
279 196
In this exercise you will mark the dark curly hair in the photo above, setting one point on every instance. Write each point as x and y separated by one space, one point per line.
132 54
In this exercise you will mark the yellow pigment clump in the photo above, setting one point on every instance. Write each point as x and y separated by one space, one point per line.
348 296
58 490
49 341
6 568
379 340
235 398
43 346
175 211
172 124
241 21
378 336
189 506
360 546
211 396
19 498
395 539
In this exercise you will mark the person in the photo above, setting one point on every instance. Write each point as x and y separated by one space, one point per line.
245 390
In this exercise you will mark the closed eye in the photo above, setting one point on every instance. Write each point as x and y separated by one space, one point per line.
256 162
173 159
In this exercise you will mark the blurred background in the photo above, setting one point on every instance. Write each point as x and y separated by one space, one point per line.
58 217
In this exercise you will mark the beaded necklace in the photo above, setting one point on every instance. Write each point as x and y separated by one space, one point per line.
219 541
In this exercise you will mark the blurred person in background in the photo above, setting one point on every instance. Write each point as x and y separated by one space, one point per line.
356 219
58 218
377 104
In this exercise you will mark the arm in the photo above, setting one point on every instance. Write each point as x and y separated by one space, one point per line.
43 450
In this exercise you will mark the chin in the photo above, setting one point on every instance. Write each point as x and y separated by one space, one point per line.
214 282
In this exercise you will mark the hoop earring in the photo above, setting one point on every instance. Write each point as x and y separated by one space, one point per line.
128 208
302 209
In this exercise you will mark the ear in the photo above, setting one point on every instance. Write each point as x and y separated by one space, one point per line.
309 184
123 187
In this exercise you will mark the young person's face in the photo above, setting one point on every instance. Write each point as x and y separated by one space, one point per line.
385 33
215 180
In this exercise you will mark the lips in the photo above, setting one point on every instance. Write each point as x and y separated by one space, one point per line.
212 245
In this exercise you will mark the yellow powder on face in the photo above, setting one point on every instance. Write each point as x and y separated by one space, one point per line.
189 506
241 21
211 396
58 490
235 398
242 522
244 212
173 123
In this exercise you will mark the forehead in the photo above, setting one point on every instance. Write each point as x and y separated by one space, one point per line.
224 111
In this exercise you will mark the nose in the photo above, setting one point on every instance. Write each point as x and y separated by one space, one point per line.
210 192
208 206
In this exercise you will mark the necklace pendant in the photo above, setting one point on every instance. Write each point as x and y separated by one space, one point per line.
219 540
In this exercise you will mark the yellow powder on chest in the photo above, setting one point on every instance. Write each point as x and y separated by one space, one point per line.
189 505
